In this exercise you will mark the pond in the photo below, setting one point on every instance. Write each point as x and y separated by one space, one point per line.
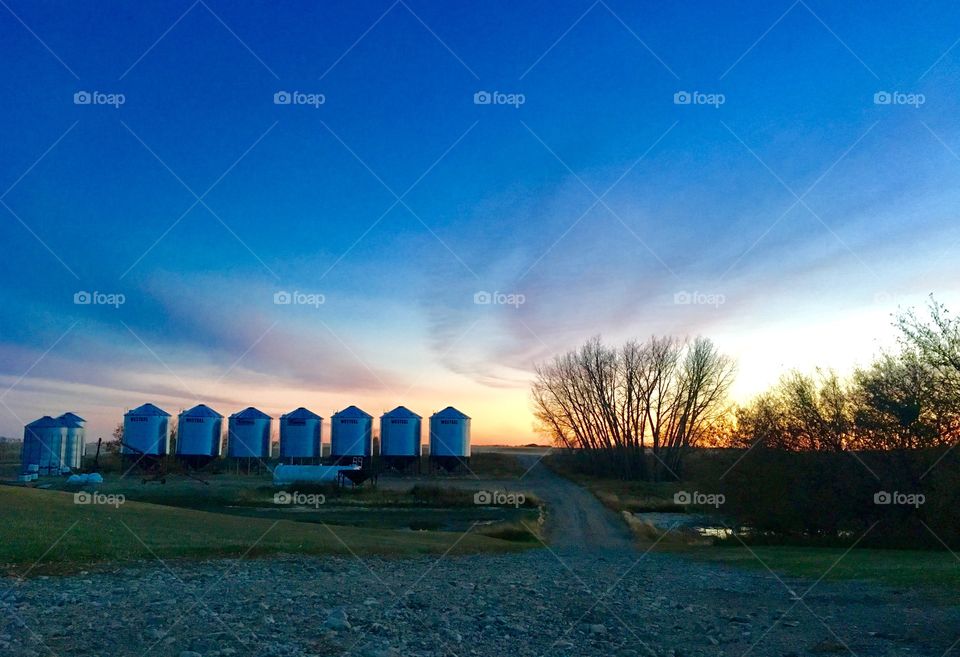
702 524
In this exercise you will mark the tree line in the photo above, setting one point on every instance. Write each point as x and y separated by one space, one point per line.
906 399
637 409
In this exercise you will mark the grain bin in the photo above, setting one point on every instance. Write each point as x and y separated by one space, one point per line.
74 445
300 436
351 434
400 438
198 435
449 439
249 438
43 444
146 431
74 417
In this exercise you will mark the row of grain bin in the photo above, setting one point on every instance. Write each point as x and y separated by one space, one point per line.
351 436
52 445
147 432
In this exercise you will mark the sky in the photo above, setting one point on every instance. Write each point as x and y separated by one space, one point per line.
412 202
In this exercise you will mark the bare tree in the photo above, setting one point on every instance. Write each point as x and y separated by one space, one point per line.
619 405
705 377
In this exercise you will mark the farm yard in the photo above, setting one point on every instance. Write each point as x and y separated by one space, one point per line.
433 329
226 576
221 514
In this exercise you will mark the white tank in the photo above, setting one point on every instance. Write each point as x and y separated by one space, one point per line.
300 434
249 434
43 444
198 432
74 441
400 433
449 433
351 433
146 430
286 475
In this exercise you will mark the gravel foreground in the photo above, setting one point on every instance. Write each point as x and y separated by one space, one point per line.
536 603
590 593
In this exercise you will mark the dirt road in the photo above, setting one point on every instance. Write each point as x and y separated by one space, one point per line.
576 519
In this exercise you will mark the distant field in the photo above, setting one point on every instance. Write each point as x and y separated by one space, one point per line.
495 465
48 529
620 495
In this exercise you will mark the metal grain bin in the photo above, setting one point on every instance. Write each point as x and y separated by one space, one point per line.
400 433
249 436
300 434
43 444
351 433
146 430
198 432
74 445
449 438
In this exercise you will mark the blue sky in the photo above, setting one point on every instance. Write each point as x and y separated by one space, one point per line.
796 212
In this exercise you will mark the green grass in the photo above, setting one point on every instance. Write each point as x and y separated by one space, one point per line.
907 569
419 507
46 528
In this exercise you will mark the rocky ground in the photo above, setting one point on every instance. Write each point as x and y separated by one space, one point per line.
590 593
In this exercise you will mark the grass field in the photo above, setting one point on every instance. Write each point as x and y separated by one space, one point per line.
418 507
897 568
494 465
48 531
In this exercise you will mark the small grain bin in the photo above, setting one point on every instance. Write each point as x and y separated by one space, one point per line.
351 434
300 436
249 438
449 439
400 438
74 445
43 444
146 432
198 435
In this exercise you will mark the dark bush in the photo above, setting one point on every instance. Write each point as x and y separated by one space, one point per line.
843 497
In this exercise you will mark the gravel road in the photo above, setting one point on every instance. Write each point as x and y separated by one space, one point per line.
589 593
